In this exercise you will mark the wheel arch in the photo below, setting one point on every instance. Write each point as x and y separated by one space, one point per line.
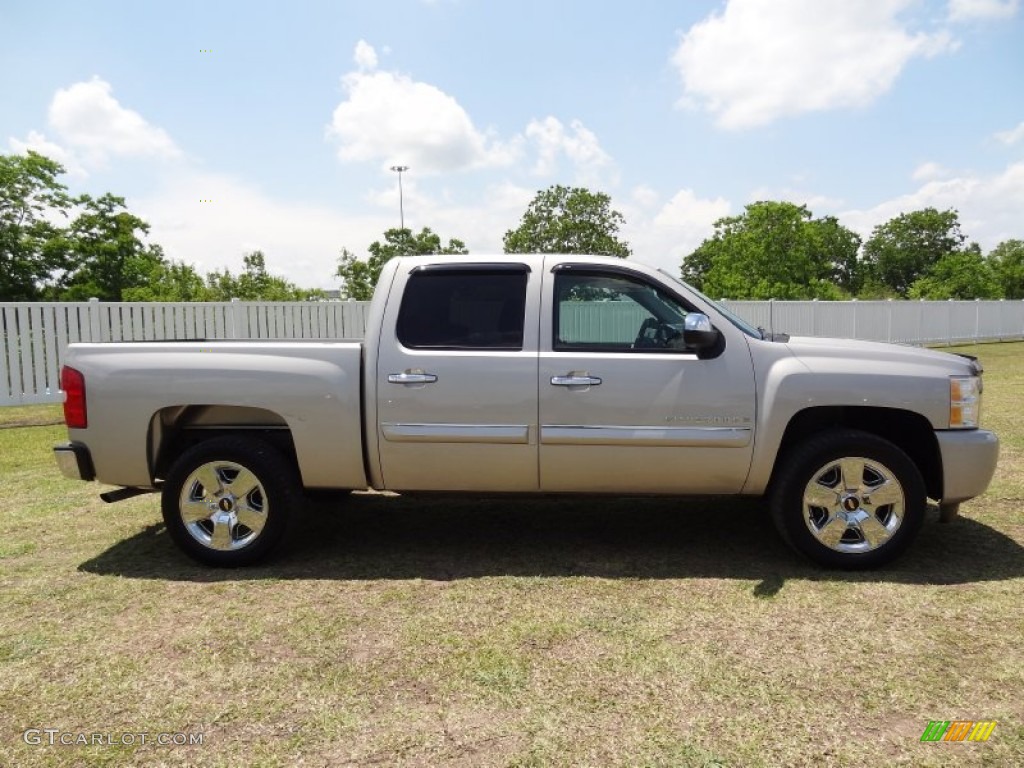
910 432
173 430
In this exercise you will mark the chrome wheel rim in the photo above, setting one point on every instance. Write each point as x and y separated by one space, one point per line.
223 506
853 505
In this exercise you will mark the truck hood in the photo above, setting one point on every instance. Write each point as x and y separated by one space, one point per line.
818 353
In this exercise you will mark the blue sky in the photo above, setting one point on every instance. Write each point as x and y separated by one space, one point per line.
286 117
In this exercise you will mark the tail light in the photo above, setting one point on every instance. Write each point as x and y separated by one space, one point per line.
73 383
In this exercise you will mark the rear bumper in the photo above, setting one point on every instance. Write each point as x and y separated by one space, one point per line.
968 462
74 461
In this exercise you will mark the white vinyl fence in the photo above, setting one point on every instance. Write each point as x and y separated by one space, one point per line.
903 322
33 336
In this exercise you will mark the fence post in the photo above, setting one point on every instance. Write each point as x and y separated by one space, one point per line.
888 331
949 322
94 319
771 317
235 313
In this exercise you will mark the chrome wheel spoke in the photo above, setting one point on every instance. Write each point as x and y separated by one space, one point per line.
875 534
194 512
888 492
245 482
818 495
221 537
253 519
831 533
853 473
207 476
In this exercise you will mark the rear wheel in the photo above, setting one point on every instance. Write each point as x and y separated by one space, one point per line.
228 500
848 499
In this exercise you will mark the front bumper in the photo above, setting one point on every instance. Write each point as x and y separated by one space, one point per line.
968 462
74 461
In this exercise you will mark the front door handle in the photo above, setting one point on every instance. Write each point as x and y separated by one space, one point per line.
407 377
575 381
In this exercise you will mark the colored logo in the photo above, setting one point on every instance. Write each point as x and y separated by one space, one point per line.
958 730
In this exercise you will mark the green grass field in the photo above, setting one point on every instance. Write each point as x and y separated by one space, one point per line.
466 632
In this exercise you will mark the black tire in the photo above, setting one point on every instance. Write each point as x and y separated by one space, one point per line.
861 527
246 517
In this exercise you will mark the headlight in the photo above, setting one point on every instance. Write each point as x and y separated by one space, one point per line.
964 402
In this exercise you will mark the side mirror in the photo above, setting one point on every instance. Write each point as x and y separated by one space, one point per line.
698 333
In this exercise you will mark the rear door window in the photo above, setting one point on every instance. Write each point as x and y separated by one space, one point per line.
464 307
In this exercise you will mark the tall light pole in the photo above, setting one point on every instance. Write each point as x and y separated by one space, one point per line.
400 169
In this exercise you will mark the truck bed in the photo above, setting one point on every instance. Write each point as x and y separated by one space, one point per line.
153 390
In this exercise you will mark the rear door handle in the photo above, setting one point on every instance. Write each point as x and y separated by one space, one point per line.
575 381
411 378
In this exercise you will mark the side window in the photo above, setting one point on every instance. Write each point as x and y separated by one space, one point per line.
463 309
615 313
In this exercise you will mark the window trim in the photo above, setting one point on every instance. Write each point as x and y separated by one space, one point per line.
477 269
571 269
474 267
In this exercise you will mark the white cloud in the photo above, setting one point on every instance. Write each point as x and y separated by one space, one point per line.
88 118
969 10
989 205
365 56
797 195
662 236
391 118
37 142
91 126
686 212
579 144
301 241
929 172
761 60
480 221
644 196
1012 136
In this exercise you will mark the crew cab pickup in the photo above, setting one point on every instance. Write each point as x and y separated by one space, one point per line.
533 374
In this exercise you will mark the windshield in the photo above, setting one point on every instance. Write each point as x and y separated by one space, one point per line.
729 315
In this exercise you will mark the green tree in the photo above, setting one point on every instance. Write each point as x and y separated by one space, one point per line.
255 284
360 277
697 265
169 281
776 250
29 243
105 251
568 220
958 275
905 248
838 247
1007 259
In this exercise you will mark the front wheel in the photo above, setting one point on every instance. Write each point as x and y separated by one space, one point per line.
848 499
227 501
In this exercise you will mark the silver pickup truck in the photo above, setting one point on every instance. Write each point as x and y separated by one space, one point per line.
533 374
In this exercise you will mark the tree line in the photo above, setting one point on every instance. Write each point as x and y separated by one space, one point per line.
558 220
779 250
774 249
56 247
